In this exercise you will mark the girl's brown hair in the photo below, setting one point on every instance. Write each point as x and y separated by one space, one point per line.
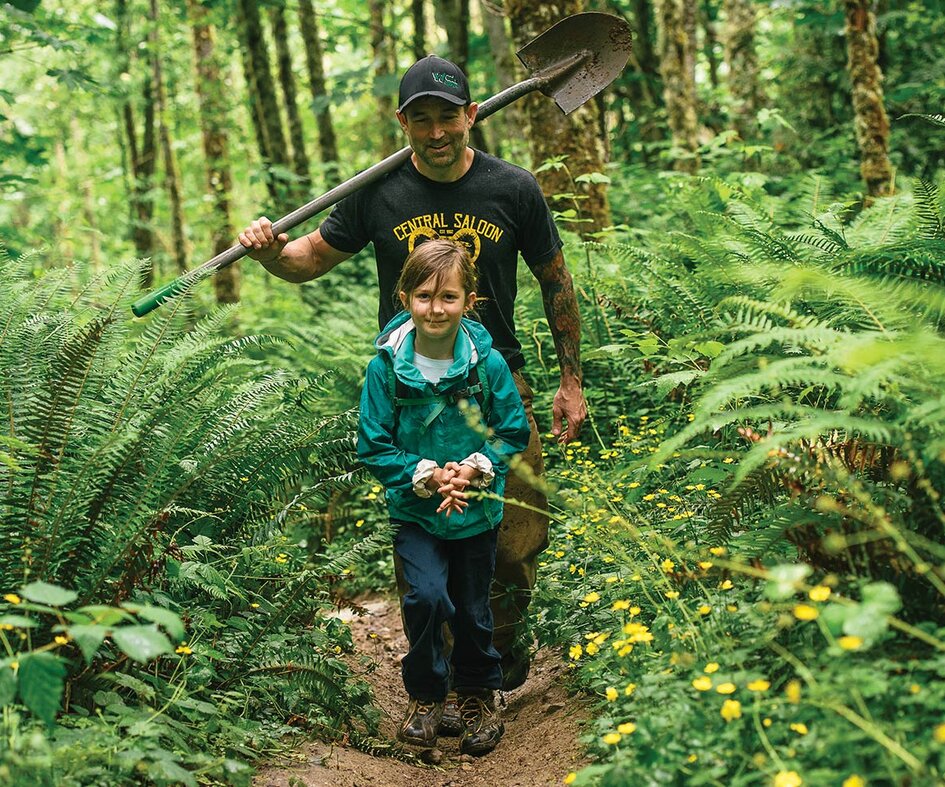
436 258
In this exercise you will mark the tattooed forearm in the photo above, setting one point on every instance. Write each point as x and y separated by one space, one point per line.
558 298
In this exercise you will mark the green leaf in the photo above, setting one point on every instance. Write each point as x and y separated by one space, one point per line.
592 177
106 616
17 621
170 620
40 684
783 580
44 593
881 598
7 686
709 349
141 643
88 638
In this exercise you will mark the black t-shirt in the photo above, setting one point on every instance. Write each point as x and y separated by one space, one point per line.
496 210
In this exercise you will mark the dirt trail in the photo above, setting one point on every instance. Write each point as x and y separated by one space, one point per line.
539 746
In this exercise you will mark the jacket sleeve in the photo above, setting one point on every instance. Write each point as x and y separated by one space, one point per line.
507 417
391 466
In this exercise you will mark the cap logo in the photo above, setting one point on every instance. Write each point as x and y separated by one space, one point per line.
446 79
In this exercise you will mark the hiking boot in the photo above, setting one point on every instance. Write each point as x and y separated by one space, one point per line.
482 727
451 723
515 665
419 726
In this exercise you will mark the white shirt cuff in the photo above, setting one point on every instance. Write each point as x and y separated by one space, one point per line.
483 464
421 475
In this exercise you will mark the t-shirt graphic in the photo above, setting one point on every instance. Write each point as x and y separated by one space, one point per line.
496 210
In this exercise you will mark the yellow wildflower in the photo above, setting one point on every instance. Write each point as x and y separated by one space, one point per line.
61 640
939 733
627 728
727 585
634 611
575 652
612 738
621 604
805 612
184 650
591 597
702 683
717 551
282 557
800 728
854 780
793 691
611 694
787 779
705 565
915 688
850 642
819 593
667 565
759 685
725 688
731 709
711 667
254 605
672 594
731 607
631 687
12 598
705 609
569 779
591 648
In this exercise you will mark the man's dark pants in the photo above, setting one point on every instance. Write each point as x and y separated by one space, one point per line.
449 582
523 535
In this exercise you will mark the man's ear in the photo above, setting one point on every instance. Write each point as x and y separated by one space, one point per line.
402 120
472 109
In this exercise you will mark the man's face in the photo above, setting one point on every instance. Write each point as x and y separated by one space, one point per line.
438 131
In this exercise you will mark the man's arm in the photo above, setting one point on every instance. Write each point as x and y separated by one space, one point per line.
561 309
303 259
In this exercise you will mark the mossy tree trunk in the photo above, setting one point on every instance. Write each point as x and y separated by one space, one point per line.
267 122
419 17
676 22
871 122
172 183
300 163
315 63
506 123
380 43
574 137
140 158
742 60
213 124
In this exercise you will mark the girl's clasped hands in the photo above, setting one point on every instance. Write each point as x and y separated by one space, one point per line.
451 481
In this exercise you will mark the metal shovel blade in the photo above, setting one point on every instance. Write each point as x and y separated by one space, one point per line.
601 44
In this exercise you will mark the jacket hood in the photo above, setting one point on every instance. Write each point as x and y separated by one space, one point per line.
397 340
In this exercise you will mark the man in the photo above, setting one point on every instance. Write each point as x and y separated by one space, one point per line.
447 189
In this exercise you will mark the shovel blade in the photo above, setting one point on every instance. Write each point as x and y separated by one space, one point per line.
597 44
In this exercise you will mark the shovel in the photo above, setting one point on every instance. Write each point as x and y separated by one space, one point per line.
571 62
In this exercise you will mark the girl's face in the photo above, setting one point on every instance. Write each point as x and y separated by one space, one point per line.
437 312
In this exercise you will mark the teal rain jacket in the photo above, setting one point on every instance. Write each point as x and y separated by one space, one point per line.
392 450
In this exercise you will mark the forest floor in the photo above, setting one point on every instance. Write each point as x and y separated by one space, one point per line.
539 748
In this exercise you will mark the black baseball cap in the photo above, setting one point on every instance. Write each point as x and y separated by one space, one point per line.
434 76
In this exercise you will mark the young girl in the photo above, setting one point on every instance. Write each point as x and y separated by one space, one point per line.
416 440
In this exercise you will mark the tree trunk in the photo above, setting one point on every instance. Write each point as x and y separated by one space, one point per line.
453 16
268 122
300 164
418 14
171 174
574 137
677 45
382 74
871 122
314 60
709 41
141 159
742 63
80 153
507 123
211 94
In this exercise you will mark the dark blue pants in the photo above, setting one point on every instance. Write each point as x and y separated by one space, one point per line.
449 582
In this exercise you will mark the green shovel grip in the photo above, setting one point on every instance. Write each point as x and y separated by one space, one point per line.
148 303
